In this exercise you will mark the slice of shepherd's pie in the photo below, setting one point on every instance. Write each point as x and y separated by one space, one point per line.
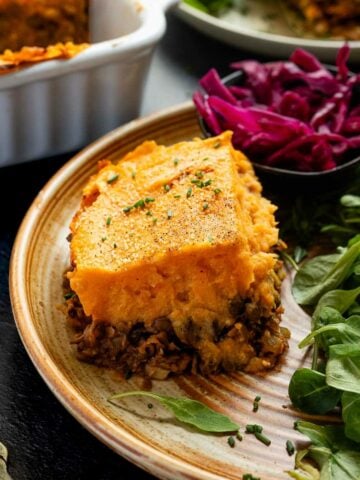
173 265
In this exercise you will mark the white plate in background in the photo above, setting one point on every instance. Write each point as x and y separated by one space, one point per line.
259 27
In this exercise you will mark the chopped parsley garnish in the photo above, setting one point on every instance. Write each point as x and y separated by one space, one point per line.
205 206
204 159
290 447
108 221
154 220
167 187
217 144
69 295
113 178
239 436
231 442
139 204
169 214
189 193
177 196
262 438
199 174
200 183
256 403
249 476
217 191
176 162
257 431
253 428
149 213
103 239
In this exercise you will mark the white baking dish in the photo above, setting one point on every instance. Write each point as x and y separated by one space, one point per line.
61 105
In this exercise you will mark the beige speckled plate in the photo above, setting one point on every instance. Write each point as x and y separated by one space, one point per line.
148 438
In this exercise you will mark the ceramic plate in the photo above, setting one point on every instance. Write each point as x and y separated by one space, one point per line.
259 27
151 439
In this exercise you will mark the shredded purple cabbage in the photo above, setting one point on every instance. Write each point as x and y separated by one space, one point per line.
295 114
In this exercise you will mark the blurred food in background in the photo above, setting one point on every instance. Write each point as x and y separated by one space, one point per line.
325 18
42 22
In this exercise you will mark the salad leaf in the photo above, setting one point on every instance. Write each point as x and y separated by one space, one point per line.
309 392
323 273
337 457
351 415
189 411
343 367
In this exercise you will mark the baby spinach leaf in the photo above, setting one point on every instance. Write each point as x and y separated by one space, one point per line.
304 470
336 333
329 436
323 273
340 300
343 367
351 414
309 392
310 275
189 411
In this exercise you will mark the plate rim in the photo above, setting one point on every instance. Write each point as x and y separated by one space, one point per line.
128 446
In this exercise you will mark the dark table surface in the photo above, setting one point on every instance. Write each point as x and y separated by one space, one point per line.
44 441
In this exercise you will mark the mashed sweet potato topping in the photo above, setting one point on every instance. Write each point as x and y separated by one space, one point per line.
178 236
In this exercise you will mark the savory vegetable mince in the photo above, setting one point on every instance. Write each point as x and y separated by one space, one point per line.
173 265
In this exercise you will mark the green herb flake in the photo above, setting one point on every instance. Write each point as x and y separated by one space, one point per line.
103 239
199 174
133 175
176 162
169 214
253 428
127 209
113 178
290 448
231 442
177 196
69 295
217 144
139 204
217 191
205 159
249 476
205 206
154 221
256 403
149 200
207 182
263 439
108 221
239 436
189 411
149 213
189 193
166 187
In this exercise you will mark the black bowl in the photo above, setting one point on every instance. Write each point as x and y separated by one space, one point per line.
292 180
